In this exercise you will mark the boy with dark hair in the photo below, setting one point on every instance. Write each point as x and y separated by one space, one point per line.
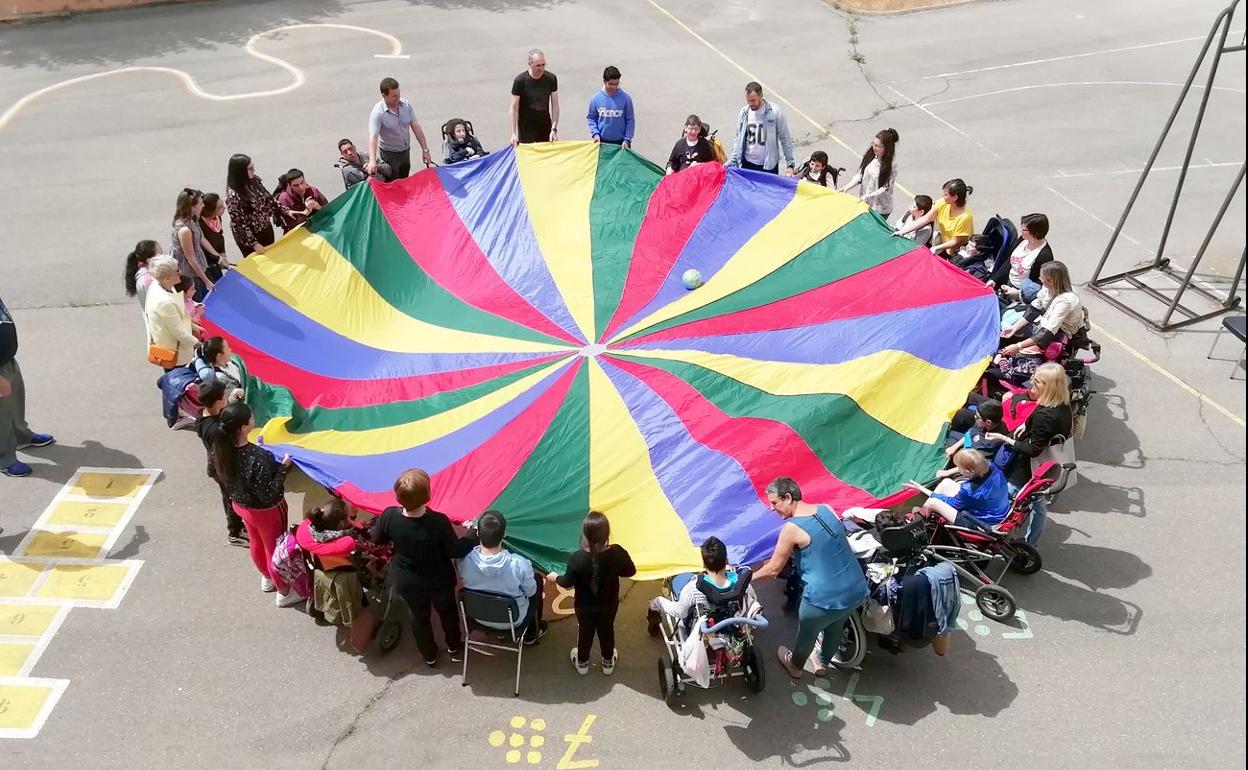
490 567
610 116
922 205
988 420
212 396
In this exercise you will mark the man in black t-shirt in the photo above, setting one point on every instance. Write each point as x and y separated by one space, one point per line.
15 434
535 103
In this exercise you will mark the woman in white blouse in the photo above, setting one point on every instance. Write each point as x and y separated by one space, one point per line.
877 173
168 324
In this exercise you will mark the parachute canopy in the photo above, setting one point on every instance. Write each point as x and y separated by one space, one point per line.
519 326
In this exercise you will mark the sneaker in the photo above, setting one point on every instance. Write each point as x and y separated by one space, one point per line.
542 628
17 469
456 655
38 440
608 666
266 585
238 540
289 599
581 668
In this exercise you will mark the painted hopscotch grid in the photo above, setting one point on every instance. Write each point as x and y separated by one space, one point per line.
88 514
26 703
58 566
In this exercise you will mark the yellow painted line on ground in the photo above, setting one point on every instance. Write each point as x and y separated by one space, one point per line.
768 90
1168 375
1100 330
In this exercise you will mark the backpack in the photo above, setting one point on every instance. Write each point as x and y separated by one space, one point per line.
288 562
716 147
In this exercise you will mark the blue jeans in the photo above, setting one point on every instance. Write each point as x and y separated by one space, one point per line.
1039 517
811 621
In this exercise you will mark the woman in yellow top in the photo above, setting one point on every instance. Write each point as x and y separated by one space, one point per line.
955 224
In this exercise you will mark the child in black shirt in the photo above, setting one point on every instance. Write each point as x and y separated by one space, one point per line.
595 572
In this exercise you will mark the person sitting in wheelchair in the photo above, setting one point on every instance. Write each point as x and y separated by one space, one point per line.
460 143
714 592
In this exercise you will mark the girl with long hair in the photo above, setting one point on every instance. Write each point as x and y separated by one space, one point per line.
594 572
136 275
954 221
877 173
257 485
188 241
253 211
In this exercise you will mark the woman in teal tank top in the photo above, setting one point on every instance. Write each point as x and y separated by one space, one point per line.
835 584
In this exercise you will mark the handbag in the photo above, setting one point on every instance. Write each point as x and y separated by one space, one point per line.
1061 451
162 357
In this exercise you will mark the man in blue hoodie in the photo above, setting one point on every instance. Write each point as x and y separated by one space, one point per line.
490 567
610 115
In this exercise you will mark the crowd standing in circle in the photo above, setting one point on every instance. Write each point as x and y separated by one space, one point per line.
428 557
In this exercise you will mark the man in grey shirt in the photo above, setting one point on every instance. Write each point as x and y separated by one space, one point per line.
388 125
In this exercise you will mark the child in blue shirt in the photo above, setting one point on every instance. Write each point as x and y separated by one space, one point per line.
610 115
988 420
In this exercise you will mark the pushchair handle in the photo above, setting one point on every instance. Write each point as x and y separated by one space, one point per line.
760 623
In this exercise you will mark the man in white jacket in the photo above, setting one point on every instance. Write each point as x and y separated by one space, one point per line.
762 135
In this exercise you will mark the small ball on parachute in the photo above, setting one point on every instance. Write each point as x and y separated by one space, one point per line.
692 279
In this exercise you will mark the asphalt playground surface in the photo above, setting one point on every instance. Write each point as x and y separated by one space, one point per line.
1130 648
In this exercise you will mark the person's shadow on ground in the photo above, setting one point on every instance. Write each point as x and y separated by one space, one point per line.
58 462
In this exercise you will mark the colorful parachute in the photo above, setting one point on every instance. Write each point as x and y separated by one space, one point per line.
519 327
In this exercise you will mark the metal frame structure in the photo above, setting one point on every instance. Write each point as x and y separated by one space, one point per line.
1220 29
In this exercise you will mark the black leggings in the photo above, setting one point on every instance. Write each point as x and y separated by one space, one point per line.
591 621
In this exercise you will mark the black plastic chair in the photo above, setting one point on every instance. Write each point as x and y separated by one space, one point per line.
476 608
1234 325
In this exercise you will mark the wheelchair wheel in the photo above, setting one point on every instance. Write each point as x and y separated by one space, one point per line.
995 602
752 667
1026 561
388 636
667 683
853 647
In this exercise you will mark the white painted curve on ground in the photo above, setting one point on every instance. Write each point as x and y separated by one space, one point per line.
396 51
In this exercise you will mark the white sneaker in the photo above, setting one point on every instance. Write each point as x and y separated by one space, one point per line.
581 668
266 584
608 666
289 599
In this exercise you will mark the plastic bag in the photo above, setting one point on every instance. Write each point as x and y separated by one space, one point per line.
878 619
693 659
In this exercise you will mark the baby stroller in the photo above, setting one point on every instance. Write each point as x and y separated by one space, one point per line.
727 632
1002 238
455 153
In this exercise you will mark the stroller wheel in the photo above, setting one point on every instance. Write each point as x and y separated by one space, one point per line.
1027 559
667 683
853 647
752 667
995 602
388 636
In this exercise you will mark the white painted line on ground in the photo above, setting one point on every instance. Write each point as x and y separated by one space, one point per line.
396 51
48 568
65 495
1018 89
391 56
43 640
945 123
55 688
1093 217
1193 167
771 92
1068 57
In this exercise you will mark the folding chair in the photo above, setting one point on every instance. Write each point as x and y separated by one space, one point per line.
1234 325
490 607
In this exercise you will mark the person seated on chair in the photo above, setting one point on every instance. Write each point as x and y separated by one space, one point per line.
971 494
461 145
987 418
327 534
215 361
974 255
353 164
1056 311
691 601
490 567
299 200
